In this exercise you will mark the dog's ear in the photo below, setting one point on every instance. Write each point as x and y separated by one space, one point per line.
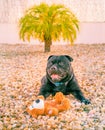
69 58
50 57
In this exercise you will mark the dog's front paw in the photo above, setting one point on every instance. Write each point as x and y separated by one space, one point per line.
86 101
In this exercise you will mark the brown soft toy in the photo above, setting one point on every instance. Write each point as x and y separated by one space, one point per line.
51 107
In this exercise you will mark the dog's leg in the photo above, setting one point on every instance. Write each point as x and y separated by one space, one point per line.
43 91
79 95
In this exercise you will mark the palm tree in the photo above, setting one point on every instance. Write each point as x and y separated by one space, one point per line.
48 23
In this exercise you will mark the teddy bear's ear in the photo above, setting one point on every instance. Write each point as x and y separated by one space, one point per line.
59 94
59 97
40 97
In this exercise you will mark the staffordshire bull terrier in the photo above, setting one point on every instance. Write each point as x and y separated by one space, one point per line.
60 78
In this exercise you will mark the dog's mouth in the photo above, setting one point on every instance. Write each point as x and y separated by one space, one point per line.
56 74
57 77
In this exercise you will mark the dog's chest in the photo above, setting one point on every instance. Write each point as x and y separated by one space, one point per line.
59 87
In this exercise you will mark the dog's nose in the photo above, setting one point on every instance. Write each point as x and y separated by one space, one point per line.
53 68
37 101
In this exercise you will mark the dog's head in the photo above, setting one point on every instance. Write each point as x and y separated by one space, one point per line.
59 67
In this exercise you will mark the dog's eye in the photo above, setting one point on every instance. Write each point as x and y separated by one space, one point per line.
37 101
61 63
50 64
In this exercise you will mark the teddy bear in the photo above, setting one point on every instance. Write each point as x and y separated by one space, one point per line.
51 108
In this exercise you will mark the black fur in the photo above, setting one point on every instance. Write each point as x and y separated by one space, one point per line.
64 80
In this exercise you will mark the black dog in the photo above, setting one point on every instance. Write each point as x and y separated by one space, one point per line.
60 78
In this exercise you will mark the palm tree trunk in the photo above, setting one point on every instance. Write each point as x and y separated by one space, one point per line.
47 46
48 43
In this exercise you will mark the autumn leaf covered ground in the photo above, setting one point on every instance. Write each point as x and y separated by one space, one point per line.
21 69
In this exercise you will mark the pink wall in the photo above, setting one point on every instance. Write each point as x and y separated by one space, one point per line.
89 33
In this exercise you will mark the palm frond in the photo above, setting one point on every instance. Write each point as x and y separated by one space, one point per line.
49 22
